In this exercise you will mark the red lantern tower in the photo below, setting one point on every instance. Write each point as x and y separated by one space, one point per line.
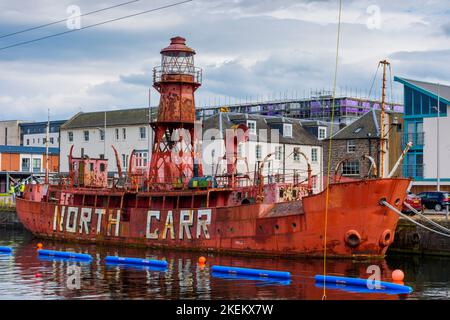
174 161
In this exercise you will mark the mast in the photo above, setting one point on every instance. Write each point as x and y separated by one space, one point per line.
385 63
46 146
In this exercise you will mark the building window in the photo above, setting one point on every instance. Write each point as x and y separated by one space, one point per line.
70 136
86 135
102 156
141 159
125 160
278 152
117 134
28 142
296 154
322 133
287 130
102 134
240 150
52 140
351 146
25 164
251 126
350 168
36 165
124 134
143 132
314 155
258 152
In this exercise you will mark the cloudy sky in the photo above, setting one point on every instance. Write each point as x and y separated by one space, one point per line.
248 49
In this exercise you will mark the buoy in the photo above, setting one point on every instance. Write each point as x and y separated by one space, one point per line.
202 260
39 246
5 249
38 275
252 272
137 261
63 254
398 275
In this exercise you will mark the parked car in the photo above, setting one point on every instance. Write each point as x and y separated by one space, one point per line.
414 201
434 200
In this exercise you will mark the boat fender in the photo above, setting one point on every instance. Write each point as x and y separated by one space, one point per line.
386 238
352 238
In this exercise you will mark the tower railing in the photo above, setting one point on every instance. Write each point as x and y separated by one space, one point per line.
159 72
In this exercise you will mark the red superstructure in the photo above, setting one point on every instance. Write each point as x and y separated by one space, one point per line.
172 205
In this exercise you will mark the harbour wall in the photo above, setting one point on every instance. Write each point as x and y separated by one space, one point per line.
412 239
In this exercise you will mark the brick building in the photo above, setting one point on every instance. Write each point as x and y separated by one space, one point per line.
362 138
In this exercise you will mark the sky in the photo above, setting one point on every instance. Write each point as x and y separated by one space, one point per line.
248 49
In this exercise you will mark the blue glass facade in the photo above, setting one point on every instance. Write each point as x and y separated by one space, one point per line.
418 104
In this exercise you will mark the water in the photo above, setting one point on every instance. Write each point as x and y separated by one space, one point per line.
24 275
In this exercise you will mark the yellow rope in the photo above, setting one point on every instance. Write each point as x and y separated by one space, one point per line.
324 297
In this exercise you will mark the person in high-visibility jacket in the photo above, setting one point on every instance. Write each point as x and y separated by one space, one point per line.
22 189
12 191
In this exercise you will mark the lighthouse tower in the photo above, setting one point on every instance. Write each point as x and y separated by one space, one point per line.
174 155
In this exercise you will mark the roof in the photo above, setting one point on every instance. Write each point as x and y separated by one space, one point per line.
27 149
362 128
299 135
53 122
121 117
430 88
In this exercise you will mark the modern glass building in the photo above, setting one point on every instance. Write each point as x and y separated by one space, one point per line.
422 120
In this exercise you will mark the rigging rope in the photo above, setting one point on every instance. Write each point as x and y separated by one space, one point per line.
373 81
324 297
391 207
426 218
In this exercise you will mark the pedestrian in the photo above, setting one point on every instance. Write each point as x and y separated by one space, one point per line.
21 189
12 191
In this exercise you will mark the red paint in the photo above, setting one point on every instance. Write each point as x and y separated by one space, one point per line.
160 210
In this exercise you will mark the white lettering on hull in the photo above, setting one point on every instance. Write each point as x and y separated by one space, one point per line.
150 215
185 224
79 220
71 224
85 220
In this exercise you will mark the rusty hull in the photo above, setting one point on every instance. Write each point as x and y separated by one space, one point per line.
283 229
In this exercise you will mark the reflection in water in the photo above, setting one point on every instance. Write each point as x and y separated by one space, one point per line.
25 275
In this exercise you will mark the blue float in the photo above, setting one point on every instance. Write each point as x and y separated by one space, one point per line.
264 281
139 267
63 259
136 261
351 283
252 272
63 254
6 250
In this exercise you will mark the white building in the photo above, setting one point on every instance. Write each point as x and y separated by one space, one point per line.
126 130
282 137
34 134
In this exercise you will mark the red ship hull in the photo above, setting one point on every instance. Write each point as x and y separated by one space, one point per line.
357 224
